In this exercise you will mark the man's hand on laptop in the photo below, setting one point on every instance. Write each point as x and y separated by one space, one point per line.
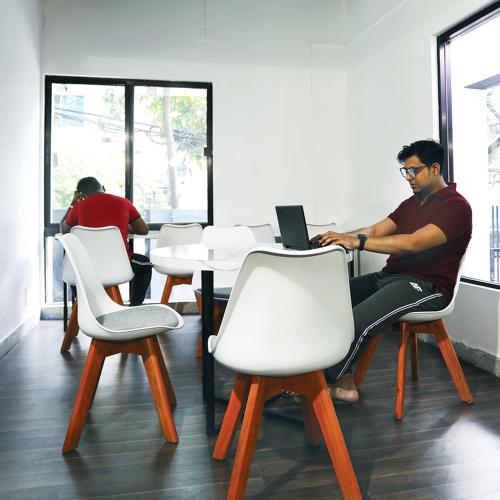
341 239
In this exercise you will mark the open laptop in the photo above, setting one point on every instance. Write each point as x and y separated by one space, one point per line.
293 229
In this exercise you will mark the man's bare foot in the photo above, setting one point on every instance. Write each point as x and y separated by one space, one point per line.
345 389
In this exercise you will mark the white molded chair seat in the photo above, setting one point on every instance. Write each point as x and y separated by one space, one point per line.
117 329
111 262
171 235
289 317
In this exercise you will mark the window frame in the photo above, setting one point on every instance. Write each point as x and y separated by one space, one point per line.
444 97
51 228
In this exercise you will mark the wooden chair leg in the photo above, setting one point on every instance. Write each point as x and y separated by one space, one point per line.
450 358
401 376
170 283
167 290
84 396
414 354
152 364
365 360
313 432
114 293
314 386
234 410
71 329
164 372
260 389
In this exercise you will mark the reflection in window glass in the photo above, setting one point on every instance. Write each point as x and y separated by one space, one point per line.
87 139
475 100
170 170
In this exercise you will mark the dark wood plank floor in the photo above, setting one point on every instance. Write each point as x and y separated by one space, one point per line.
442 450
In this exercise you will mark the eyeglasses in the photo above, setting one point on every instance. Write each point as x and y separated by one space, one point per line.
411 171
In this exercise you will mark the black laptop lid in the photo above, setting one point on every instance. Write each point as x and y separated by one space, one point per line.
293 227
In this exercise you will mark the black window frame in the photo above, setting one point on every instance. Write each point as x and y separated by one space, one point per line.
444 96
51 228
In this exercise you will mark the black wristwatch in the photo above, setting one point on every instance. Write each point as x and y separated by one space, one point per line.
362 240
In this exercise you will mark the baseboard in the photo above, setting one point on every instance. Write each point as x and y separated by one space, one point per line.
472 355
7 343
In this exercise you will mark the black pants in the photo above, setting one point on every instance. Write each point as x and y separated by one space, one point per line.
378 300
141 280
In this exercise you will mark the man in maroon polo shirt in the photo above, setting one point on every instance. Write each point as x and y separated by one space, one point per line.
425 237
93 207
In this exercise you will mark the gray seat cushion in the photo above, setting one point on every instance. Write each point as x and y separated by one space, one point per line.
139 317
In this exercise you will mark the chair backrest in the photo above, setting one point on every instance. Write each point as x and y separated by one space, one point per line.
227 237
263 233
315 229
240 237
107 252
179 234
93 301
289 313
423 316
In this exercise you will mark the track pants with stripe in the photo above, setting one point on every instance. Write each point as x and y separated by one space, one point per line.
378 300
139 285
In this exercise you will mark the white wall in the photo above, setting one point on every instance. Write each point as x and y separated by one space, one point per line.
391 101
20 26
279 87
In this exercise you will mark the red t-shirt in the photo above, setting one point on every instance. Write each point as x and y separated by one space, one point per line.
103 209
449 211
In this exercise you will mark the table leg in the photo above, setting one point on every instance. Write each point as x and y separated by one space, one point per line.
207 295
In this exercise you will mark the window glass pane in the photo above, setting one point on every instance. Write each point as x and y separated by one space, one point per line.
87 139
170 169
475 92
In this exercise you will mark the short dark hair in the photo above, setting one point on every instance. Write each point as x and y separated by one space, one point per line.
88 185
429 152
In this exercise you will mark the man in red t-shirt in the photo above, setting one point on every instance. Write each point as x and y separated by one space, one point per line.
93 207
425 237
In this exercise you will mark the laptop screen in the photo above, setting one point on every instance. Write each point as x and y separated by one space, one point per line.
293 229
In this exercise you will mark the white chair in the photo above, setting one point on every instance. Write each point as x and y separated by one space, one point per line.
117 329
263 233
410 325
289 317
240 237
170 235
109 255
315 229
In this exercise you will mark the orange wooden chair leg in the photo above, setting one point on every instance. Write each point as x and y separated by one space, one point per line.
164 372
153 368
313 432
332 434
450 358
84 396
401 376
414 355
71 329
257 396
365 360
234 410
114 293
167 290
